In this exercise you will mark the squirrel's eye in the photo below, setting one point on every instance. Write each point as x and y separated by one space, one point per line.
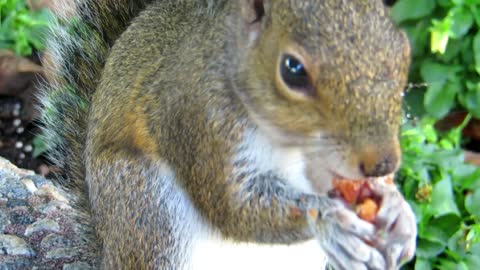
293 73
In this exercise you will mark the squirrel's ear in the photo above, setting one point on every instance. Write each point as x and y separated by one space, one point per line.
253 13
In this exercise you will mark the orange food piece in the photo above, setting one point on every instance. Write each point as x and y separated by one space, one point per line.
349 189
367 210
359 194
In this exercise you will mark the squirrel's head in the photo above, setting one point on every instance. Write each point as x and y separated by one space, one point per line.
326 76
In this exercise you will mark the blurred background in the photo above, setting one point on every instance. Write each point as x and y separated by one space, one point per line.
440 174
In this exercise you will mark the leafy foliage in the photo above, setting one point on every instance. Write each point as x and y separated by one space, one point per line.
445 41
445 195
21 29
442 189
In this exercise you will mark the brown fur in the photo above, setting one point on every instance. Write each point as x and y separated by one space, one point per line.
182 88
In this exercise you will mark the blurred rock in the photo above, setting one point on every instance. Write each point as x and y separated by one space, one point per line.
32 237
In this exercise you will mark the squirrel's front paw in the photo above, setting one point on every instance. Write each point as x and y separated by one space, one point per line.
346 239
396 226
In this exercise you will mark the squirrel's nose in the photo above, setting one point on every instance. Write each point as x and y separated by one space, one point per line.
375 163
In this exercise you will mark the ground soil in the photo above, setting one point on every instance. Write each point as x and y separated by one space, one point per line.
20 81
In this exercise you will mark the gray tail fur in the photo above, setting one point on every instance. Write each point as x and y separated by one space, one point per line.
76 51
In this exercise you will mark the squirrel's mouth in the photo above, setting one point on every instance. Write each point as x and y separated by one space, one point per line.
322 173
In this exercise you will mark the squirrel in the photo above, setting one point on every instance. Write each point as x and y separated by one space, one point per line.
187 124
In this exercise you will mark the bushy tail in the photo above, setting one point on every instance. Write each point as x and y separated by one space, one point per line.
76 52
75 56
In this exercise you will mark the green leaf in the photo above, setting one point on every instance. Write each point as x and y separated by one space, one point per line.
452 265
476 51
448 224
473 261
429 249
441 32
423 264
440 98
430 133
447 265
443 200
434 234
456 243
471 101
439 41
445 3
475 248
472 203
443 87
433 72
466 176
475 13
462 21
453 50
467 54
411 9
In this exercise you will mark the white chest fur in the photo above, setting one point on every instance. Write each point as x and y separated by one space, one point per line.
288 163
214 253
